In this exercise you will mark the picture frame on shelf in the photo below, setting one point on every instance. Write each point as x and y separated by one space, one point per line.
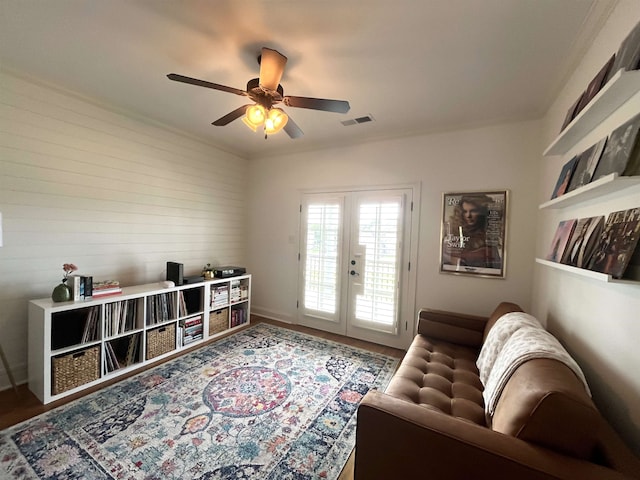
473 233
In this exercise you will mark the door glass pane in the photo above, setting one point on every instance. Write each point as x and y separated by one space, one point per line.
321 257
378 233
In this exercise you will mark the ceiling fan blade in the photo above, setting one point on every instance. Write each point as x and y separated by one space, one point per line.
231 116
203 83
272 65
292 129
337 106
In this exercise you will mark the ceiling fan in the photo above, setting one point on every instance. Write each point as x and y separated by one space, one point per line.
266 92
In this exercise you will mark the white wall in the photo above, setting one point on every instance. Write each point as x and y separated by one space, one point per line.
115 195
598 323
498 157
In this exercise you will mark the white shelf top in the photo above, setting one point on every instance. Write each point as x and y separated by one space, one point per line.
608 184
622 86
583 272
132 292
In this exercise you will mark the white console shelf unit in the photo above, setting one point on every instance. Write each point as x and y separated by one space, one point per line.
76 345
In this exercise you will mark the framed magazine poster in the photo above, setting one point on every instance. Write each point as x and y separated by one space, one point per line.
473 233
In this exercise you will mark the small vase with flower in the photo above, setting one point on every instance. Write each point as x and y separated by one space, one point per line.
62 293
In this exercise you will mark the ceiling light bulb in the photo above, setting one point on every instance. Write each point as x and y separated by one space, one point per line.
255 116
249 124
275 121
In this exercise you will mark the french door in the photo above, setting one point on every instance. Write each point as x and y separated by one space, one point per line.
355 264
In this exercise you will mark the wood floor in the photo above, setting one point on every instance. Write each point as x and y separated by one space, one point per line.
16 408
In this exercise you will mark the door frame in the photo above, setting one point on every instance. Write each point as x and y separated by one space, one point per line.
408 276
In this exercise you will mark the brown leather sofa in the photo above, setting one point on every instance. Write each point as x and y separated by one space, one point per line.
431 422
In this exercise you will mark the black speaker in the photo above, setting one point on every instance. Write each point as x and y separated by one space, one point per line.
174 273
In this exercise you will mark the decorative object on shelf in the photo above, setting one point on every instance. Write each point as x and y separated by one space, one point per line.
207 272
473 233
62 293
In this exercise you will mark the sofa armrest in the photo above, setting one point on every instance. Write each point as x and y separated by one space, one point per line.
458 328
399 439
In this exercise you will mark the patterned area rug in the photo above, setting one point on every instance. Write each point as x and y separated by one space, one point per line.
264 403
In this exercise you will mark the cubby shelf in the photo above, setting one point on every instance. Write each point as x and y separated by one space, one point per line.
65 342
620 88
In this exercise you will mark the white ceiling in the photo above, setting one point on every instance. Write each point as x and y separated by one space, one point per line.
415 65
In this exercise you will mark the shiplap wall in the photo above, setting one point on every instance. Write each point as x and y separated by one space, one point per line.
114 194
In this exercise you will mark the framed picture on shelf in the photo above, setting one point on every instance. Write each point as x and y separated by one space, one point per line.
473 233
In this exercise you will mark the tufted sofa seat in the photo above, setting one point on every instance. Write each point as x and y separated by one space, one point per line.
441 376
431 423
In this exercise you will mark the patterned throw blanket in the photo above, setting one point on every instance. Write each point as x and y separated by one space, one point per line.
518 338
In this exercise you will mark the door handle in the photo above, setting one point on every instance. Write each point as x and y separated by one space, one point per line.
353 272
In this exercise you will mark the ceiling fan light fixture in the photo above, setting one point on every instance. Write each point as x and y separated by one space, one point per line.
275 121
255 117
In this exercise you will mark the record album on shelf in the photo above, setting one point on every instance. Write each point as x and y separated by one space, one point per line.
560 240
621 153
586 165
565 178
617 243
628 55
583 241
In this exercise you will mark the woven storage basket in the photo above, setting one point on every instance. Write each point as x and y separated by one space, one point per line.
218 321
75 369
161 340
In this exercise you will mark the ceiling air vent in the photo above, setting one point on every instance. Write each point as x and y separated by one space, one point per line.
355 121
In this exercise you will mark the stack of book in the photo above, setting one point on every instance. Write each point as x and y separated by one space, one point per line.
191 330
235 291
106 287
238 317
219 296
81 286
